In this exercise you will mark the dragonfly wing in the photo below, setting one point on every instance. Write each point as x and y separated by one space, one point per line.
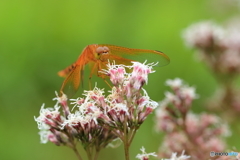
73 80
140 55
65 72
112 58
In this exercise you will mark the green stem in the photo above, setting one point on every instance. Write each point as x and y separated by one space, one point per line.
96 155
73 145
89 153
132 135
126 150
77 153
126 144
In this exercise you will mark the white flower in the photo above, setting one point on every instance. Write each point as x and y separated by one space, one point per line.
44 134
189 92
74 119
62 99
175 83
232 38
182 157
45 114
202 34
122 108
171 98
139 75
146 101
117 73
95 113
77 102
145 155
119 107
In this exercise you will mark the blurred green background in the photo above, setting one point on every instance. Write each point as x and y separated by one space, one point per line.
39 38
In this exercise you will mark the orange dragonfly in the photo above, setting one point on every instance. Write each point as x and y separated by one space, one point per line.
98 56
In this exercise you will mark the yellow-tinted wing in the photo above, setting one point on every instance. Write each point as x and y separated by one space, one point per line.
123 54
72 82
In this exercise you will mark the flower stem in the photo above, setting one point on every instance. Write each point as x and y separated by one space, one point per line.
126 149
96 155
132 136
89 153
77 153
125 139
73 145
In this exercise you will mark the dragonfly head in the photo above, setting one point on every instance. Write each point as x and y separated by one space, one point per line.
103 50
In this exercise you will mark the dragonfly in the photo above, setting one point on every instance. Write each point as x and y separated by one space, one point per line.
97 56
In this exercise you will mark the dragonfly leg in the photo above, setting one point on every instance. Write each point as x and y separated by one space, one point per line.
107 83
102 75
90 76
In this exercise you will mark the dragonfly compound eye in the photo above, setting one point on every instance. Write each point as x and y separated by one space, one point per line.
102 50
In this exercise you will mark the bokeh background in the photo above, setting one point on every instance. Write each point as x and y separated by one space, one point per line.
39 38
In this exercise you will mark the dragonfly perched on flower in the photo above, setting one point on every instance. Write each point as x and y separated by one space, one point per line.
98 56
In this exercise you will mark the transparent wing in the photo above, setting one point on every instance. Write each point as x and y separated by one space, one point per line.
126 55
65 72
72 82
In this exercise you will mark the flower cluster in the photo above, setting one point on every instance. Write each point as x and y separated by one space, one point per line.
144 155
98 119
219 48
181 157
49 121
196 134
